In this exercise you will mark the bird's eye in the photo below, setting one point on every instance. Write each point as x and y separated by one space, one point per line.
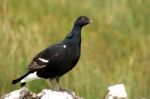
82 19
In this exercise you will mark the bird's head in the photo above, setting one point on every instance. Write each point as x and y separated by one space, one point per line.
82 21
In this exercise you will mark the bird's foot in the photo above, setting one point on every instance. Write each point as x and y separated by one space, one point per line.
65 90
53 89
62 90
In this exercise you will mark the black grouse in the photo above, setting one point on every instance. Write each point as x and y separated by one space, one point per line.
57 59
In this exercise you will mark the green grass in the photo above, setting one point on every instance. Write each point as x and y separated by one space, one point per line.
115 48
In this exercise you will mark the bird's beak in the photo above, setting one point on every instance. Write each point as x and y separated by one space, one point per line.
90 21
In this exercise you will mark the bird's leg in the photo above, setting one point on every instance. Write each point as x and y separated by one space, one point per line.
52 83
58 83
60 87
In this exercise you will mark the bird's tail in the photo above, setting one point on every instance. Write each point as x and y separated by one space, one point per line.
20 78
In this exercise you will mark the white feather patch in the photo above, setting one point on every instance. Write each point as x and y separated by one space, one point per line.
64 46
30 77
43 60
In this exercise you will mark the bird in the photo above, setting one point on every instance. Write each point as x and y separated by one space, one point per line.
57 59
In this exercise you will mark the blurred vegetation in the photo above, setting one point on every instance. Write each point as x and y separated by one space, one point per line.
115 48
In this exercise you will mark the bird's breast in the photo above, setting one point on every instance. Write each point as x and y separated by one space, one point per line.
70 55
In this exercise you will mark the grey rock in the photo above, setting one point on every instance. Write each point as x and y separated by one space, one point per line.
25 93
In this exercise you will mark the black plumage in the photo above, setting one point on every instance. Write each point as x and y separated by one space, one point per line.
57 59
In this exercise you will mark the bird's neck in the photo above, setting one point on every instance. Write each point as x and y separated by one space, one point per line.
75 33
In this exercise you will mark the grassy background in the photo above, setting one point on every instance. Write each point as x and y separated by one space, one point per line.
115 48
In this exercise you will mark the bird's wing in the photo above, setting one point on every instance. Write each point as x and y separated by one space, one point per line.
50 54
34 65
